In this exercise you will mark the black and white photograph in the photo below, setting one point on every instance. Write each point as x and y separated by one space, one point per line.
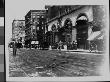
57 40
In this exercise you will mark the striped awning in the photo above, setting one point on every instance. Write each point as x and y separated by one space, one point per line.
95 36
101 37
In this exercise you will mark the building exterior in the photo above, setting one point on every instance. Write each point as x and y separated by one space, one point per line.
18 31
35 26
73 24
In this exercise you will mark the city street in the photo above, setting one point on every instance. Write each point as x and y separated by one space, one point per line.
53 63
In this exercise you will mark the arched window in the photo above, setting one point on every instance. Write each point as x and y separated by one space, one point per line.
82 19
68 24
82 15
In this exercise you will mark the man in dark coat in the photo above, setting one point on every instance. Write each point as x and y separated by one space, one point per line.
14 48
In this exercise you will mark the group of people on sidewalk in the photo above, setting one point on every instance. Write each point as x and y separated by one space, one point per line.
62 45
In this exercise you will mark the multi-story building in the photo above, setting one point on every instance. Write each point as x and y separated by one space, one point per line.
18 30
70 24
35 26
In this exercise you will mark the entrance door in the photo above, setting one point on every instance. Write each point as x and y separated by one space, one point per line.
82 34
68 38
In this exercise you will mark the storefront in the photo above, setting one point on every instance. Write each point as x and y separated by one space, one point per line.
82 31
96 41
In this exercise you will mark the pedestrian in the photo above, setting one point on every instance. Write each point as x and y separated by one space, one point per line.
60 46
75 44
50 47
14 48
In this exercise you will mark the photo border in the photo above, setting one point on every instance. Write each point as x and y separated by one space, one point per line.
88 78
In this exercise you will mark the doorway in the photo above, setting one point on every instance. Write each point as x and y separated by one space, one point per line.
82 32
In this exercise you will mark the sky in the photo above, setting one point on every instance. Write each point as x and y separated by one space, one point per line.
17 9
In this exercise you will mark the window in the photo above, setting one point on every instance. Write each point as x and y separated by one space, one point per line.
42 16
38 16
37 22
34 27
37 28
34 16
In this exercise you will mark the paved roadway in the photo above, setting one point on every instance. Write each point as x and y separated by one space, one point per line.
52 63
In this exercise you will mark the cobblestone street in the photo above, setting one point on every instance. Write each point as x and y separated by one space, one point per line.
45 63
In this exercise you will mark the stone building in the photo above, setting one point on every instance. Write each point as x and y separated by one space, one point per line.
70 24
18 31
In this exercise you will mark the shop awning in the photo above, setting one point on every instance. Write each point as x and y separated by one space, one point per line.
101 37
96 35
34 42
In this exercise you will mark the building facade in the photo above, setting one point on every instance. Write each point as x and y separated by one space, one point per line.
18 31
72 24
35 26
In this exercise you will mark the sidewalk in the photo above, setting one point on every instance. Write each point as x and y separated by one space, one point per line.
84 51
78 50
